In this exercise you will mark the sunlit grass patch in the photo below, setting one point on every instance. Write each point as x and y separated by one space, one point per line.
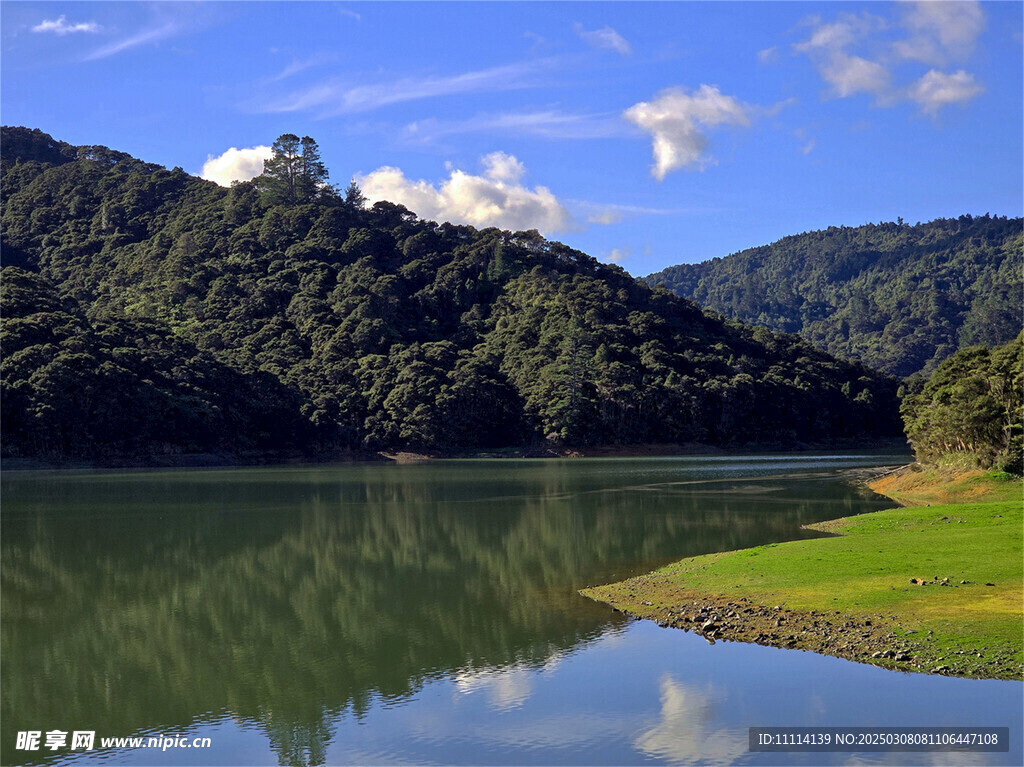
953 574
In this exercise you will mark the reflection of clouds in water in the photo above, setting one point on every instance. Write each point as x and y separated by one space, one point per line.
925 759
563 735
817 705
957 759
506 687
351 756
687 733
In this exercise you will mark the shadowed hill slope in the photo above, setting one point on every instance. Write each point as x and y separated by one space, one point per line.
148 311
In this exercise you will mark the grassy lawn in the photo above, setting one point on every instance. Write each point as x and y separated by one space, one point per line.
865 572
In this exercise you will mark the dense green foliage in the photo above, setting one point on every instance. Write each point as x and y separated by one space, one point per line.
321 324
898 298
972 405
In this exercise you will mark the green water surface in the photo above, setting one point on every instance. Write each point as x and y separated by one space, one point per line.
283 598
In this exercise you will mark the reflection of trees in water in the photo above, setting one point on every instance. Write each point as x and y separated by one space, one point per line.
287 597
299 744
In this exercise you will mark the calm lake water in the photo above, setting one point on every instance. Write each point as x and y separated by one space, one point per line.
380 614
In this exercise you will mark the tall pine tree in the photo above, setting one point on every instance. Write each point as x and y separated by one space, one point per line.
295 174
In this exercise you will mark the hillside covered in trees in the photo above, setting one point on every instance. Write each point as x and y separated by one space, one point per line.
146 311
971 407
898 298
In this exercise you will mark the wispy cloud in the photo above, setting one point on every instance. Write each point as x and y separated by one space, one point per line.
678 122
807 141
301 65
545 123
497 197
606 214
61 26
337 96
618 255
605 217
151 35
166 20
605 38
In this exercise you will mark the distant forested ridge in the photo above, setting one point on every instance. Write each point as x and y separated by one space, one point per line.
898 298
147 311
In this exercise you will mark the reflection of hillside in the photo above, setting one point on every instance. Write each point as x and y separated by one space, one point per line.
287 596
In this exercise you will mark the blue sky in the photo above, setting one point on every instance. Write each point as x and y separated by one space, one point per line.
644 134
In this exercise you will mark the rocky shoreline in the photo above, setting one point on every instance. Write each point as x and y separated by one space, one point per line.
878 640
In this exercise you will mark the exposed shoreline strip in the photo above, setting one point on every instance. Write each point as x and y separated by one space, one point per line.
859 595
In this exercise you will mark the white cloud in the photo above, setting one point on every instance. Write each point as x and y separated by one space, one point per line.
835 36
617 255
768 55
605 38
852 74
936 90
236 165
676 120
61 27
933 32
848 74
940 30
496 198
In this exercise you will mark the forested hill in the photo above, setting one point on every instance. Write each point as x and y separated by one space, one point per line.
147 311
898 298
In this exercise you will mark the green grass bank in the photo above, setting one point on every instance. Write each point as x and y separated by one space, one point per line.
936 589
